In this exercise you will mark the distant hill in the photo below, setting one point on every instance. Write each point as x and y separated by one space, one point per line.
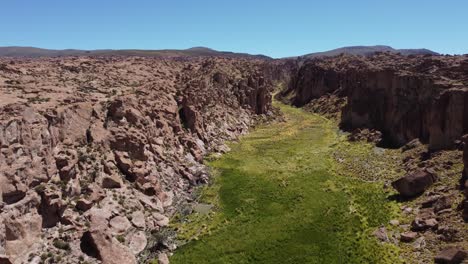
32 52
369 50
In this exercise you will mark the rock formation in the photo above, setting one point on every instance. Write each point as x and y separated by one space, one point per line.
405 97
418 103
464 180
95 153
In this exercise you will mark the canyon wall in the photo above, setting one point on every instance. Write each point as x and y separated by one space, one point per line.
405 97
97 153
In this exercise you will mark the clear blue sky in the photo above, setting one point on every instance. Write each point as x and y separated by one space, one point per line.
275 28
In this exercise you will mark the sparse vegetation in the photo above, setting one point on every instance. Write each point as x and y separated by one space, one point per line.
278 201
37 100
60 244
121 238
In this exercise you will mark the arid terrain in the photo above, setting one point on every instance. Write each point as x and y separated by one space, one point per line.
100 154
97 151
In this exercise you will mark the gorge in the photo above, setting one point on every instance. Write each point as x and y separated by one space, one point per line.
189 159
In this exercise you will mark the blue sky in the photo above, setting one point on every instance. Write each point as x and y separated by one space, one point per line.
275 28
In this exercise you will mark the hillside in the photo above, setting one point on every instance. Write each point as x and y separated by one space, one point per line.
32 52
368 50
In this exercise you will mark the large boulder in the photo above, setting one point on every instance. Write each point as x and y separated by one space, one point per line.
450 255
102 246
51 207
415 183
21 233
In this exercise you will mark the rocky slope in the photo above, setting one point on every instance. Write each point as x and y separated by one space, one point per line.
367 51
423 97
401 101
96 153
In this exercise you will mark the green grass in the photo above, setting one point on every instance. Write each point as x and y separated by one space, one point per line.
277 200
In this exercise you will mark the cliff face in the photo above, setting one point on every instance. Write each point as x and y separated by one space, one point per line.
97 152
404 97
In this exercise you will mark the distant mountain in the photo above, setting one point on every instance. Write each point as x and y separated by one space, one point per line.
369 50
192 52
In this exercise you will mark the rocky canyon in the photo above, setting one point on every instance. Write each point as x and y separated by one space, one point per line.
99 153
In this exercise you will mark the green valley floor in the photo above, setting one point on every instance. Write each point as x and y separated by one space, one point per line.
277 198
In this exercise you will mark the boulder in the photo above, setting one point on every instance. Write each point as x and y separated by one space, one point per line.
93 194
99 217
163 259
65 161
84 204
101 245
415 183
21 233
381 234
424 220
119 224
137 242
12 191
450 255
138 219
160 220
408 236
445 202
51 207
111 181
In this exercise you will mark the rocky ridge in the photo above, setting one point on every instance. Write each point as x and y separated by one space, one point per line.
418 104
404 97
96 153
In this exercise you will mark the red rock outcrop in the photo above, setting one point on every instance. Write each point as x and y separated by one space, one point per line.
405 97
110 143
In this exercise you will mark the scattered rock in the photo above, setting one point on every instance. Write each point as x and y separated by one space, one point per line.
408 236
424 220
419 243
161 220
163 259
415 183
445 202
430 201
381 234
138 219
84 204
137 242
111 181
119 224
451 255
447 233
99 244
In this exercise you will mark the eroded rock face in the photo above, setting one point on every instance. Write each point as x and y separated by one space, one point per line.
110 143
464 180
101 245
423 97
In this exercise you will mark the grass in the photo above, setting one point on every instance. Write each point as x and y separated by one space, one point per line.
278 200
